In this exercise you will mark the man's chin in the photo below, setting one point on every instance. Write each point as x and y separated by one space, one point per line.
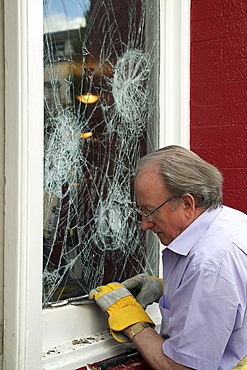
163 239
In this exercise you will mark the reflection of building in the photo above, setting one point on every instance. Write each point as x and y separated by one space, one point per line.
63 65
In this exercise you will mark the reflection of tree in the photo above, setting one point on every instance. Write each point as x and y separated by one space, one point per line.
80 45
80 41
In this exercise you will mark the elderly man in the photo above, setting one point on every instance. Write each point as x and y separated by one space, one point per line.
203 303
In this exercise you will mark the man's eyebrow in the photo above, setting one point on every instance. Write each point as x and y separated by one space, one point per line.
145 205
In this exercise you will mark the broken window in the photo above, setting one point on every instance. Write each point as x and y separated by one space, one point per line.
101 115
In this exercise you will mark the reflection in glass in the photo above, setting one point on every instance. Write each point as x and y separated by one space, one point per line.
107 49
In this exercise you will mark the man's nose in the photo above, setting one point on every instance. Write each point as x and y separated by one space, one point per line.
146 223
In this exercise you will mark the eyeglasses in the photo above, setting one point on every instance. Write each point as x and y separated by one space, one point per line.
138 209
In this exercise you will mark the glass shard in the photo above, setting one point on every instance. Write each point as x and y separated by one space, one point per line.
100 101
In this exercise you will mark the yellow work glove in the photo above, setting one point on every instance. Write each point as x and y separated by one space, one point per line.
121 307
146 289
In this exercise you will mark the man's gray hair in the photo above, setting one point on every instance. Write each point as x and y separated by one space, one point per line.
183 172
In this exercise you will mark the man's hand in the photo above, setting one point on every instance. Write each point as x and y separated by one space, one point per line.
121 307
146 289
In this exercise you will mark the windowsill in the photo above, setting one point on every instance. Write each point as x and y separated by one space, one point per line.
82 338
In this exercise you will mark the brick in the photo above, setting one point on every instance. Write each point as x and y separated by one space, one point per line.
215 156
207 137
235 47
235 24
205 114
235 156
235 113
234 92
235 178
210 93
225 114
234 7
207 9
219 28
206 72
206 51
222 157
235 70
236 199
235 136
208 29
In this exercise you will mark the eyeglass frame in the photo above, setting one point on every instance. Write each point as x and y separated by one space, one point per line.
138 210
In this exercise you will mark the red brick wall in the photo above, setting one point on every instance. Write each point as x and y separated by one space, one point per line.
219 91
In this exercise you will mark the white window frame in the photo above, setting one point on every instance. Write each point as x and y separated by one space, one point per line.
23 42
26 326
174 72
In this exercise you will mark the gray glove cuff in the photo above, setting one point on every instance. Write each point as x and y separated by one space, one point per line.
145 288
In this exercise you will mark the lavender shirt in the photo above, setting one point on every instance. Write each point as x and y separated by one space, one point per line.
205 295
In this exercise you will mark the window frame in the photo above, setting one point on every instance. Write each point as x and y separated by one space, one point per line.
26 326
23 38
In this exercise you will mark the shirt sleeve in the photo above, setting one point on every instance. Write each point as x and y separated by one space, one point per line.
201 319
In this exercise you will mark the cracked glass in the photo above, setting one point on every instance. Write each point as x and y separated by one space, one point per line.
100 116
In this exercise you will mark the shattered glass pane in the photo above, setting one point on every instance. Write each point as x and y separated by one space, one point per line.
100 98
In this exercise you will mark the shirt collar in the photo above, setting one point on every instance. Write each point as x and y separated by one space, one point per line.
190 236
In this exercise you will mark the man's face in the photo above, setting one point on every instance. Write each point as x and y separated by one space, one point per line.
167 221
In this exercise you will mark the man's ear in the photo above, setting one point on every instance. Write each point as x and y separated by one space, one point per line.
189 204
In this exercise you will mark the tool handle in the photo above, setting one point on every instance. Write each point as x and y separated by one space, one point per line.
116 361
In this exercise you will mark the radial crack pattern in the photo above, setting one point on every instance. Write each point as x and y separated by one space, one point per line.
91 232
